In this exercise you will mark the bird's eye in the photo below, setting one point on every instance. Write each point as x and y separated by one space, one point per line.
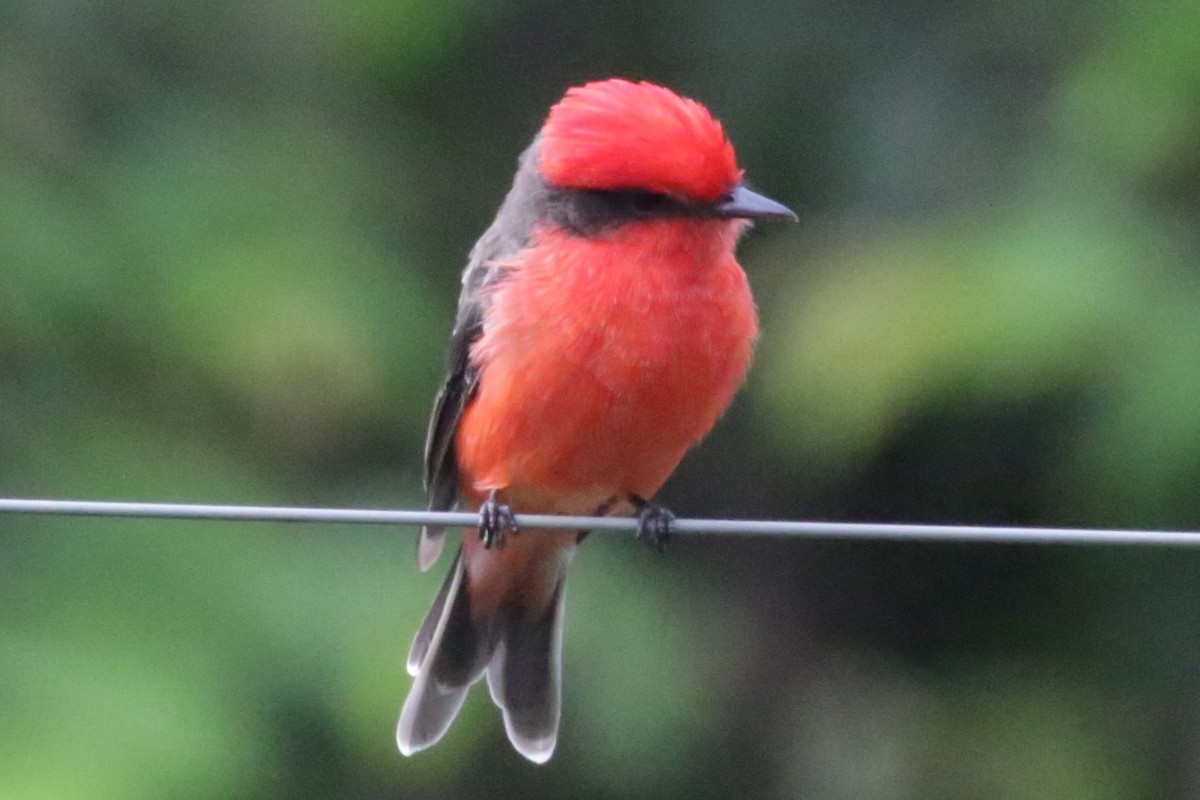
651 202
647 201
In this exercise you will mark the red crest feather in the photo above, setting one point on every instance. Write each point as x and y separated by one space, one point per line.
616 134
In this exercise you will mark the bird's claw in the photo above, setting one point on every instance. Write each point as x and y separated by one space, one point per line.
654 524
496 521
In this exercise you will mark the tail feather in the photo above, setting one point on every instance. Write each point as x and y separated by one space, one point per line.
427 715
420 645
525 678
520 652
449 655
429 546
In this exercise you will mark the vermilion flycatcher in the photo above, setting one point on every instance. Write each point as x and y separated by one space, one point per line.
604 326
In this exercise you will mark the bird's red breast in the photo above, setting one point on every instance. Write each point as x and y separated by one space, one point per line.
603 359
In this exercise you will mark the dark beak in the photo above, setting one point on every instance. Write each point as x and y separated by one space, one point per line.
742 202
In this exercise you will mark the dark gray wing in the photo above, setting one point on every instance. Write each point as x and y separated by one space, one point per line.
507 235
462 378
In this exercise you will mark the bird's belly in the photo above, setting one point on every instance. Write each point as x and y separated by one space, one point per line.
611 438
607 401
598 437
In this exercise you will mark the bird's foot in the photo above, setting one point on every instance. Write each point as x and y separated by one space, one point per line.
654 523
496 521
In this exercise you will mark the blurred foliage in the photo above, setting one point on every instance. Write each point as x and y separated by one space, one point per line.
230 237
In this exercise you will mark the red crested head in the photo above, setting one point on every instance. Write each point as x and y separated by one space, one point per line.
616 134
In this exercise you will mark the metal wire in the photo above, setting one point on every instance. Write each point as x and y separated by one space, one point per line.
731 527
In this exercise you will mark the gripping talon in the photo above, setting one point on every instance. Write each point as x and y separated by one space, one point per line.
496 521
654 523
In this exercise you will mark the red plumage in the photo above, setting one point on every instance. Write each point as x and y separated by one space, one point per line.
606 359
616 134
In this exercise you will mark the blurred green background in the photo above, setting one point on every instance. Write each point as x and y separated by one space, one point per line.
230 242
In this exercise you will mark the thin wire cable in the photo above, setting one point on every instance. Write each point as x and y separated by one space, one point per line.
731 527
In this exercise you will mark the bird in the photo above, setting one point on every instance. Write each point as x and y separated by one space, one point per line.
603 327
